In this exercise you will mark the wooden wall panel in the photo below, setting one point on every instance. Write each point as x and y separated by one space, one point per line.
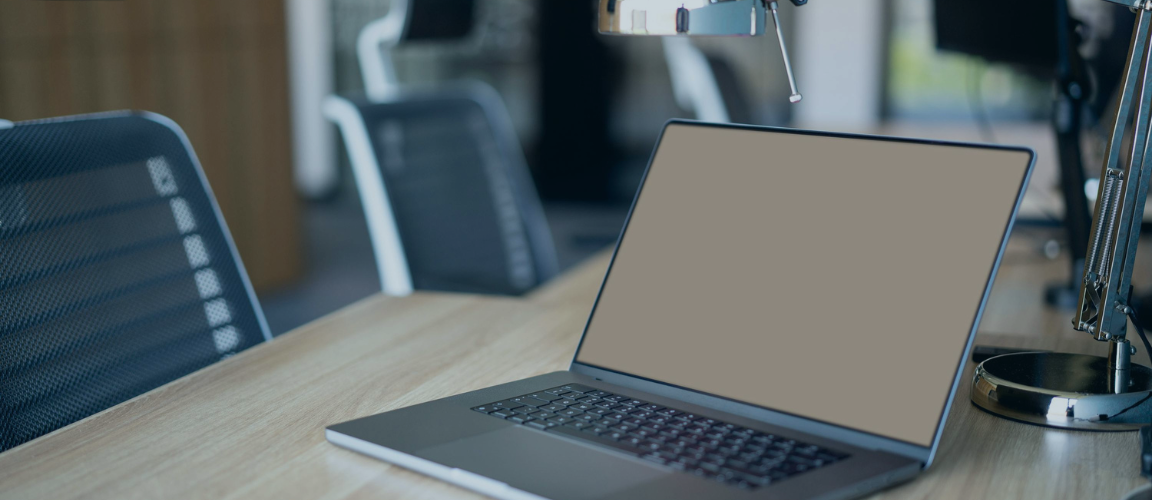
216 67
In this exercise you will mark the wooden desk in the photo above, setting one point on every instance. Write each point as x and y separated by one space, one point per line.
252 426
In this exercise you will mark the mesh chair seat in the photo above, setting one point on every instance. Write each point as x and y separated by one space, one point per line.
117 274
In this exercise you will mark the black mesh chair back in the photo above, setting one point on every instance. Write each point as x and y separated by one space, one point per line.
117 274
449 200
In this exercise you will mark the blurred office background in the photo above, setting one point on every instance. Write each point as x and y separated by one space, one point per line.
246 79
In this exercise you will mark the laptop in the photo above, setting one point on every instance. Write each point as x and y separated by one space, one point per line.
787 315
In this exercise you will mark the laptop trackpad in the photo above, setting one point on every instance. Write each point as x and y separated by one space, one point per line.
548 466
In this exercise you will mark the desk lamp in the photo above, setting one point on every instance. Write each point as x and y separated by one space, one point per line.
1051 389
1081 391
696 18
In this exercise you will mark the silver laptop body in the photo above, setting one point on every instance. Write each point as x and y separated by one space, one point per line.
787 315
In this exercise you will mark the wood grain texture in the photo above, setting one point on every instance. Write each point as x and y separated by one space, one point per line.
252 426
216 67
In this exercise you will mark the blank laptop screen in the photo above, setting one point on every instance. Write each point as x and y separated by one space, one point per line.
833 278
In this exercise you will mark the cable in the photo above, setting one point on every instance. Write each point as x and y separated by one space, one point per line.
1140 331
1146 431
1148 349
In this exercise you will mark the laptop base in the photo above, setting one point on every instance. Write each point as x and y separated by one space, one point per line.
448 440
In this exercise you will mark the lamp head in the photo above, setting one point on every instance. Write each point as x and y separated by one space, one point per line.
696 18
685 17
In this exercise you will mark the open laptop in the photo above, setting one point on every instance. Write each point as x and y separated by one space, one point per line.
787 315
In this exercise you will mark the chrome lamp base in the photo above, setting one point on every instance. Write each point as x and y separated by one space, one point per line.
1068 391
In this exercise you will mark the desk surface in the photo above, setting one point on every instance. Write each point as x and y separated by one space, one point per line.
252 426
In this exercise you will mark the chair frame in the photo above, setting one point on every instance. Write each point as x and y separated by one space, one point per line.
391 260
373 49
171 125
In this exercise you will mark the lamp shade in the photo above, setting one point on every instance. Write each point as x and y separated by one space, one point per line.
682 17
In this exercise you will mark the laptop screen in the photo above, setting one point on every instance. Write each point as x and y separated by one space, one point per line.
834 278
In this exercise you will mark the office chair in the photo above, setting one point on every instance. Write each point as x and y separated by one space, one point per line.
447 194
449 200
117 273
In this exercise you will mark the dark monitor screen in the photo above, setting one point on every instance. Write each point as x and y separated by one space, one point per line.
440 19
1015 32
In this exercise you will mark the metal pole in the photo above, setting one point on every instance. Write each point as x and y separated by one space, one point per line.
795 97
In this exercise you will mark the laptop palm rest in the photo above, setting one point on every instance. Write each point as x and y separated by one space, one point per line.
543 465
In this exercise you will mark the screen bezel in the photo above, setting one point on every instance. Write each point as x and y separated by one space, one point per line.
778 417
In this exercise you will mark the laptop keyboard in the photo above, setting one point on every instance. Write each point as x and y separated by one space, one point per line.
717 450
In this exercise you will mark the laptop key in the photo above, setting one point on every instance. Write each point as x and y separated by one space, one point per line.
580 388
650 446
485 409
544 396
537 425
502 413
827 457
654 457
530 401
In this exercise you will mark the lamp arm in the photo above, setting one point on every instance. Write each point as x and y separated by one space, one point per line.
1104 296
